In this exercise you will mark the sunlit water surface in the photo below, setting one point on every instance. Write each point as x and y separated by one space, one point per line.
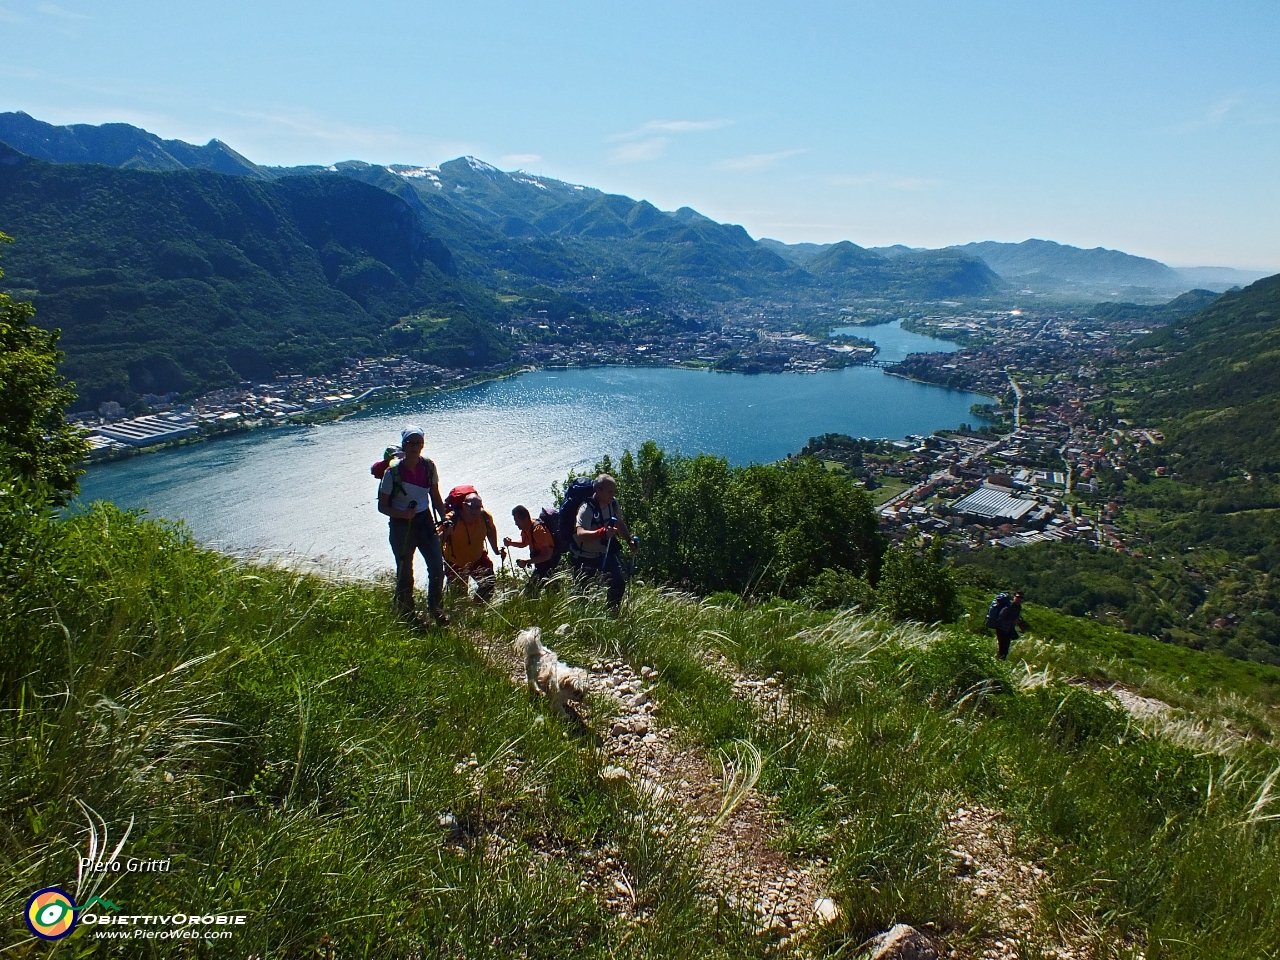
306 492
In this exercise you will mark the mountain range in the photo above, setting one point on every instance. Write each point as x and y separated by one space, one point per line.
1042 266
177 266
519 205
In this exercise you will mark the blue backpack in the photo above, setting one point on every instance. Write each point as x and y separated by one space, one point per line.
995 608
561 522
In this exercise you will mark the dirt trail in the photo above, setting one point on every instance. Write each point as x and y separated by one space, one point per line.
737 845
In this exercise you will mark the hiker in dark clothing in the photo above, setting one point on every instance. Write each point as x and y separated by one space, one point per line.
598 533
407 493
1008 620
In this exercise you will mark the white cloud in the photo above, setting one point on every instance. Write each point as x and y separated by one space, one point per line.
519 159
1210 118
53 11
315 127
639 151
682 126
650 140
913 183
288 136
893 183
647 130
757 161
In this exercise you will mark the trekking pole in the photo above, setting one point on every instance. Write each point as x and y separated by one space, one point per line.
613 520
408 533
493 607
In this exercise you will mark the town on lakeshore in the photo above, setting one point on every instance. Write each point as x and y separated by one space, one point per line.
1028 474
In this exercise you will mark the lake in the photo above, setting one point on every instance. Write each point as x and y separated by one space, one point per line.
306 490
894 343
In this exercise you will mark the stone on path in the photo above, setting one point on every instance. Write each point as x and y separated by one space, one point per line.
903 942
825 910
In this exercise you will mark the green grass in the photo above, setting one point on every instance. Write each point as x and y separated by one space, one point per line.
888 489
1194 679
1146 840
293 748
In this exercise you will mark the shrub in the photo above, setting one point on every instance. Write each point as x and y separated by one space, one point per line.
774 528
918 586
839 589
956 668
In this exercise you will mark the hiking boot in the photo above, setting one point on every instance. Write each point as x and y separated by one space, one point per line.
439 616
414 621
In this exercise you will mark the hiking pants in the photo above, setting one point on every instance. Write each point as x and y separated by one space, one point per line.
1004 638
417 536
608 566
482 570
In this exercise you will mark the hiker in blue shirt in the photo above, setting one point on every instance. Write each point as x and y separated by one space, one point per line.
1008 620
407 493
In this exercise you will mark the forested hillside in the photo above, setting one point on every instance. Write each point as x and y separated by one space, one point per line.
1218 386
187 280
119 145
1207 499
514 230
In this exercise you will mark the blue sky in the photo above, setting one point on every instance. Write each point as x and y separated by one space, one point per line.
1148 127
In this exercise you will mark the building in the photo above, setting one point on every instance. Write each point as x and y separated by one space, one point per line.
145 431
990 502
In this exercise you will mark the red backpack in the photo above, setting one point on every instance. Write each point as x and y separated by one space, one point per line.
458 495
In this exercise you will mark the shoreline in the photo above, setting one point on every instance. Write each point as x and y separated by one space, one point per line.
341 411
331 414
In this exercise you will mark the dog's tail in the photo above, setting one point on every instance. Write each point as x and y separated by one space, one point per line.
529 642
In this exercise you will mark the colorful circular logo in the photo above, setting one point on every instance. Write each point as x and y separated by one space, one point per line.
51 913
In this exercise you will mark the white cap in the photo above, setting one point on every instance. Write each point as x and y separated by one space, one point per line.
411 431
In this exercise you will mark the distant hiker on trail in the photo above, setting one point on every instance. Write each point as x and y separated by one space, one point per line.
540 541
596 549
1004 615
407 493
466 527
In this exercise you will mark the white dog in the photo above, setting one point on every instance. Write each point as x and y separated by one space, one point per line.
546 674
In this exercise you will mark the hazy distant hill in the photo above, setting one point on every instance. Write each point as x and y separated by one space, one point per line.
1219 278
797 253
1193 301
1059 269
119 145
186 280
1049 262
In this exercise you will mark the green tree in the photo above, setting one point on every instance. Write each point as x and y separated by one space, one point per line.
36 442
709 526
918 586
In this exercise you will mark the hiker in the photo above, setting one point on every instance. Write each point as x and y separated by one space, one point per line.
466 527
407 493
596 549
1006 621
540 541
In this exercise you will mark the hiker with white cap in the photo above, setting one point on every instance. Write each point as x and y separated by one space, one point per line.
408 492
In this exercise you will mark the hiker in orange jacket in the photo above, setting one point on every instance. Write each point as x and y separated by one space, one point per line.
534 535
465 529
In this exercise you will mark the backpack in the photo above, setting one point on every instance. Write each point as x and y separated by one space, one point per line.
458 496
996 607
380 467
560 522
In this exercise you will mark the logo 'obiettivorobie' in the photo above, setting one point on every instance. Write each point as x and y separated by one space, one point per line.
51 913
